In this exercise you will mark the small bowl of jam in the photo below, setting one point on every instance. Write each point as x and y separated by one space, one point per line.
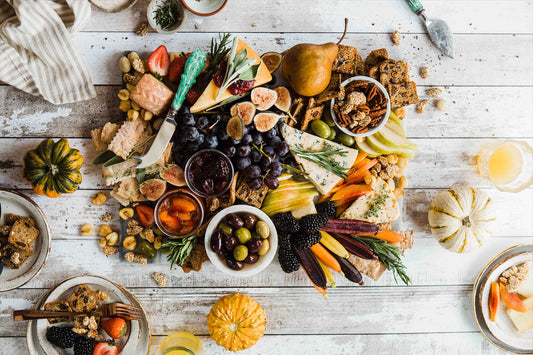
208 173
179 213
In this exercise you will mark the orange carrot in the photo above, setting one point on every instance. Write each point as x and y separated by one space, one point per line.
359 158
389 236
359 174
352 190
328 259
331 192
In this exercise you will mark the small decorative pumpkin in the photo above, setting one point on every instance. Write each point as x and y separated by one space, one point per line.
236 322
53 168
462 218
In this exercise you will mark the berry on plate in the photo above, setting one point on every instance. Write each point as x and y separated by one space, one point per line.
159 61
106 348
115 327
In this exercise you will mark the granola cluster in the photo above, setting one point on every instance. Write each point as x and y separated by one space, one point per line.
513 277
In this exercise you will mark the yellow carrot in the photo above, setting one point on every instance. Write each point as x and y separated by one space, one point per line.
327 272
333 245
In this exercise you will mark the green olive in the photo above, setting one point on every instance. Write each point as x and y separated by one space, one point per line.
240 252
345 139
332 135
262 229
320 128
243 235
264 248
326 117
147 250
226 228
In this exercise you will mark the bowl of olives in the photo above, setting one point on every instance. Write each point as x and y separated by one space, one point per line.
241 240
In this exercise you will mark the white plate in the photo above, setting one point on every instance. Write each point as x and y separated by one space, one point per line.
502 331
19 204
136 341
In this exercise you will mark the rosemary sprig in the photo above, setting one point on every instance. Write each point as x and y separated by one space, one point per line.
324 158
388 254
166 15
217 52
178 249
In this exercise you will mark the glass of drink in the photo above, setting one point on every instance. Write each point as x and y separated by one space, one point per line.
507 163
181 343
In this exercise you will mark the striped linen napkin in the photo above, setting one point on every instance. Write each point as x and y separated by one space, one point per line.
37 53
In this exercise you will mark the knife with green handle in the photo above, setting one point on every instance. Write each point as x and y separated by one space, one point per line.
438 30
193 67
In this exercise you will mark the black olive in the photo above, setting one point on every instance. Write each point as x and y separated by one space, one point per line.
250 220
251 258
234 220
216 241
234 264
230 242
254 245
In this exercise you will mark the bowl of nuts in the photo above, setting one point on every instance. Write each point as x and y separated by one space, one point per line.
241 240
363 109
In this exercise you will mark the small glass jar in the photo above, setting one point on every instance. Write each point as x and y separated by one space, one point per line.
181 343
209 173
179 213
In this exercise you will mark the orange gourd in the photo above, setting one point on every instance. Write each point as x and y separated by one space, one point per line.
236 322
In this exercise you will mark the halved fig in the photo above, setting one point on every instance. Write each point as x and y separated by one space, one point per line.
235 128
272 61
265 121
245 110
264 98
153 189
283 102
174 175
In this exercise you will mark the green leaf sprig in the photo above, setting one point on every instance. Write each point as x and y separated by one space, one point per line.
388 254
178 250
325 158
167 15
217 52
238 67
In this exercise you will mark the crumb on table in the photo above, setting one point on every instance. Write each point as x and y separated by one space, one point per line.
396 38
421 107
424 72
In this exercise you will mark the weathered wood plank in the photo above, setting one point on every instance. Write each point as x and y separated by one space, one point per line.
451 268
290 16
365 310
439 163
509 65
441 343
472 112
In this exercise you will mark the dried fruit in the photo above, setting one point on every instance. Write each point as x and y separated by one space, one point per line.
86 229
265 121
245 110
126 213
129 243
153 189
123 94
112 238
104 230
283 102
263 98
102 242
174 175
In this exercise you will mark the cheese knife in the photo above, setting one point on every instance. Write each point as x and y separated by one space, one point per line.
438 30
193 67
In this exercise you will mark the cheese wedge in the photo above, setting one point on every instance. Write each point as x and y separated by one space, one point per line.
323 179
522 320
207 99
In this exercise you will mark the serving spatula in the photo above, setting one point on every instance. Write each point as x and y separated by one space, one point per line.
438 30
193 67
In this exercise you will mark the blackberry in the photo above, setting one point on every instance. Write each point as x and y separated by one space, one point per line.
305 240
286 223
83 345
313 222
288 261
327 208
285 241
62 337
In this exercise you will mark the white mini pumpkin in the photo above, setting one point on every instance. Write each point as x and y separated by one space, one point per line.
462 218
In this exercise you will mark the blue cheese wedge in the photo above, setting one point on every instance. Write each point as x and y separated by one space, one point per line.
378 206
323 179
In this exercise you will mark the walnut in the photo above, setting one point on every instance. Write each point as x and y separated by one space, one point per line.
384 175
396 38
129 257
142 30
513 277
134 230
383 161
421 107
80 331
92 333
433 92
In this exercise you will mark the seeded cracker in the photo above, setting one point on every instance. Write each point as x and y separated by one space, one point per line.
376 57
311 114
196 259
402 94
346 60
391 72
332 91
252 197
360 65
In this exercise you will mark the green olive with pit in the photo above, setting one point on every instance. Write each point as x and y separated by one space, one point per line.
326 117
243 235
333 134
320 128
345 139
147 250
226 228
262 229
264 248
240 252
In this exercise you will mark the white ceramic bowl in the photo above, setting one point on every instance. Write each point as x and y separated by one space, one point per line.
383 119
249 269
152 9
204 7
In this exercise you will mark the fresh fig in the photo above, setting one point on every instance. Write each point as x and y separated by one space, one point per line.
235 128
245 110
174 175
265 121
153 189
283 102
263 98
272 61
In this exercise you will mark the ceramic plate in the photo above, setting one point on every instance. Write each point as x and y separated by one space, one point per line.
502 332
17 203
136 341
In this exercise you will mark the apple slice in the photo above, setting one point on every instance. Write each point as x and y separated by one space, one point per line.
392 139
512 301
385 149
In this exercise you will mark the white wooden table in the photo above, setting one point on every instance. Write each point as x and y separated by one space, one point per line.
489 90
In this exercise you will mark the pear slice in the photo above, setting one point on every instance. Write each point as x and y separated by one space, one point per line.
396 127
394 140
363 146
376 145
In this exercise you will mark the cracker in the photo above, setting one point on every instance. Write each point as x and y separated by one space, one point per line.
58 306
13 257
4 232
83 299
376 57
360 67
391 72
23 234
346 60
333 90
195 260
402 94
252 197
374 72
311 114
10 219
296 110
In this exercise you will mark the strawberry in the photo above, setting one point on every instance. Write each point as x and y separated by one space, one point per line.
115 327
177 67
159 61
192 96
105 348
